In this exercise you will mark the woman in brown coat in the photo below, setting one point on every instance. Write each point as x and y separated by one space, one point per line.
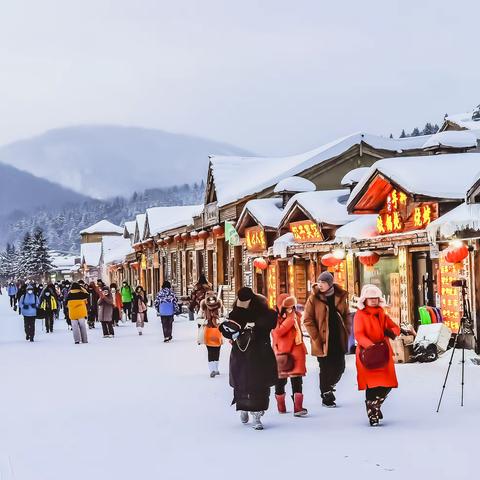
105 312
326 320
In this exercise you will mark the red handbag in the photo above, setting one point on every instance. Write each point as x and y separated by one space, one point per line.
285 362
375 356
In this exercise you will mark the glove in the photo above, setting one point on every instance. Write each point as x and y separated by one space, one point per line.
235 336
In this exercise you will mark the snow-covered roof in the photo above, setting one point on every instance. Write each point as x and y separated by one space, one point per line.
115 249
452 138
464 120
62 260
354 176
91 253
266 211
440 176
265 172
281 244
161 219
295 184
465 216
129 228
103 226
363 226
325 206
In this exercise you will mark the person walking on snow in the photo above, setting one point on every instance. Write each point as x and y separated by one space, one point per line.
373 328
28 305
253 369
211 309
290 352
117 303
127 298
166 304
12 293
49 305
65 292
326 320
92 304
139 309
198 294
76 302
105 312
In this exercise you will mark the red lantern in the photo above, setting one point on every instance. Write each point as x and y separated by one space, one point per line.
177 238
331 261
185 236
260 263
203 234
194 235
217 230
369 259
161 242
456 254
167 240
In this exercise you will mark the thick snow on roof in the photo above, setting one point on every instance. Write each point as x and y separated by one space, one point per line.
281 244
115 249
464 120
267 211
441 176
326 206
465 216
91 253
129 228
62 260
363 226
354 176
103 226
295 184
140 221
161 219
238 177
452 138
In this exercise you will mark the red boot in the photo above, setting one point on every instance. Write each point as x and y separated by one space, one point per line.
282 408
298 410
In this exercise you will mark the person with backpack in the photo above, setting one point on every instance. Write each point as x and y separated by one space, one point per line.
21 291
48 306
326 319
374 355
290 352
198 294
211 308
166 304
127 298
253 368
76 301
92 305
12 293
28 305
139 309
105 312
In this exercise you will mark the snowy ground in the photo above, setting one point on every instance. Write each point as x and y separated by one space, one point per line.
135 408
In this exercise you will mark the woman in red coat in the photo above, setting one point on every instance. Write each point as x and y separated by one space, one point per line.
372 326
289 349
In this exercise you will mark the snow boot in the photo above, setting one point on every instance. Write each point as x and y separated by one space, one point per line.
244 416
328 399
211 367
373 408
216 368
257 422
298 410
282 408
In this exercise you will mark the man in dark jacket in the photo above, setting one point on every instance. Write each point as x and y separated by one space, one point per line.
253 368
326 320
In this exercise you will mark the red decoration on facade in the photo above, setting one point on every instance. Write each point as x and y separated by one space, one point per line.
203 234
369 259
185 236
218 230
167 240
331 261
255 239
260 263
194 235
456 254
177 238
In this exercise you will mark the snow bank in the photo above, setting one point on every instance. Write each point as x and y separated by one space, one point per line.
465 216
363 226
464 120
281 244
452 138
129 228
115 249
354 176
266 211
103 226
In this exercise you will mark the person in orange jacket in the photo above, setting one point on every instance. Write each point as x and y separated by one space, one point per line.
372 326
117 303
290 352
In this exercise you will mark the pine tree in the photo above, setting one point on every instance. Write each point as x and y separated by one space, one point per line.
429 129
41 263
25 261
403 134
415 132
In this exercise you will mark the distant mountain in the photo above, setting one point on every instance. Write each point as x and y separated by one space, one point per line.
23 192
105 161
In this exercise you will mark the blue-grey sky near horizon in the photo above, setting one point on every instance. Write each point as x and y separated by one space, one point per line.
273 76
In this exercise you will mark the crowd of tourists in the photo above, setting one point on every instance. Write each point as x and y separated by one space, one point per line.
267 345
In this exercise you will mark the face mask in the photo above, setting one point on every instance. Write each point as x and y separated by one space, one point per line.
113 290
106 292
47 294
29 291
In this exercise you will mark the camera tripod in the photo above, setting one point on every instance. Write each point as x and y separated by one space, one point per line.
464 327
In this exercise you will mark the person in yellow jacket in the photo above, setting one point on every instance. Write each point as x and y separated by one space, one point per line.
76 301
48 306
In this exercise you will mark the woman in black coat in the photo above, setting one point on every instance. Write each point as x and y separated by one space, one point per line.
253 368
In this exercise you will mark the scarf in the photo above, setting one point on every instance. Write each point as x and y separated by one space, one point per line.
212 313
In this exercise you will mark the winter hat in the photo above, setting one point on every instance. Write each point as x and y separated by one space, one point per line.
280 299
370 291
326 277
211 299
289 302
244 297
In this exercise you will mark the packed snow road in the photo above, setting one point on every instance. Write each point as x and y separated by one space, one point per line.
133 407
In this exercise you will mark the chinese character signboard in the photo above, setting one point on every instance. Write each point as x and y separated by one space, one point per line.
255 239
451 297
400 214
272 285
306 231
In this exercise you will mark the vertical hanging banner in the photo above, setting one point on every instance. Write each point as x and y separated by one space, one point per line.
231 234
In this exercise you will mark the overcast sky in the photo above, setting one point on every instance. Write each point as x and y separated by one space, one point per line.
271 76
